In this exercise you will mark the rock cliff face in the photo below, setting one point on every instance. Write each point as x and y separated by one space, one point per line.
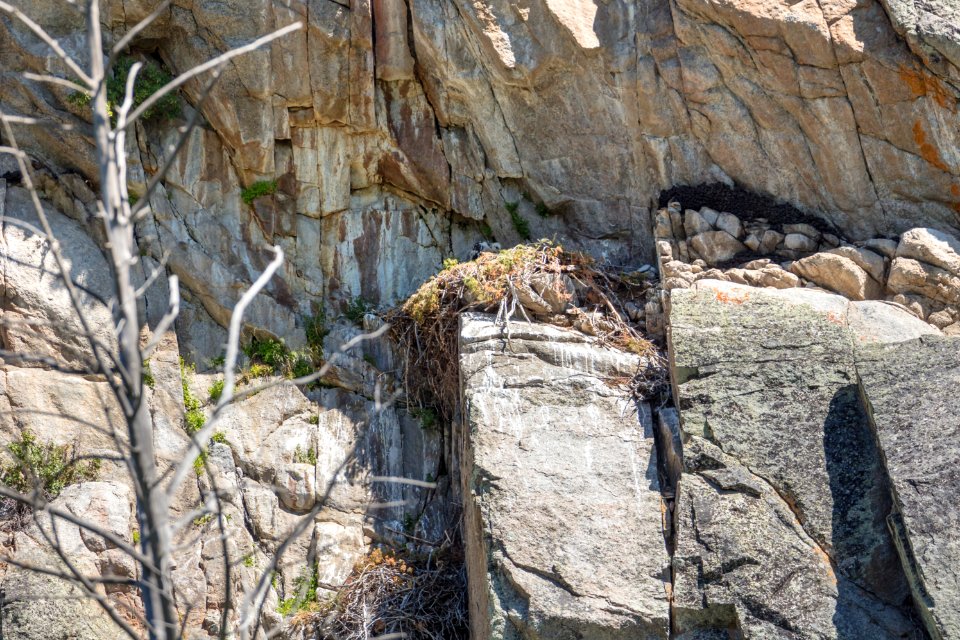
392 129
801 486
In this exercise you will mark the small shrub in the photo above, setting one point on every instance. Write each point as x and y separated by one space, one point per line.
486 231
219 437
450 263
249 560
218 362
194 418
512 207
135 536
151 78
216 391
315 329
305 457
521 226
268 351
45 466
314 419
355 311
148 375
543 210
427 417
200 463
302 366
258 189
202 521
305 596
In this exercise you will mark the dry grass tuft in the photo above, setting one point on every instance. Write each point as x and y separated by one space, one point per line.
538 281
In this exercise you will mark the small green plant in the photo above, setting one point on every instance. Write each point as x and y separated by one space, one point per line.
314 419
305 457
302 365
151 78
216 391
79 99
194 418
218 362
305 594
249 561
219 437
450 263
427 417
512 207
269 351
258 189
135 536
133 199
473 287
543 210
409 524
315 329
256 370
369 359
356 309
45 466
521 226
202 521
200 463
486 231
148 375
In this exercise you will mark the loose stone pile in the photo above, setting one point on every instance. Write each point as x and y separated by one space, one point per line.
920 270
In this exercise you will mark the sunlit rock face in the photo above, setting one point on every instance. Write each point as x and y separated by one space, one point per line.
397 132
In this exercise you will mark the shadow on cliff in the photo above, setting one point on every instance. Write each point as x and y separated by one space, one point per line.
872 593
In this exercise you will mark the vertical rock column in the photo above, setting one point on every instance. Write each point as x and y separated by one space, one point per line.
910 391
781 512
562 502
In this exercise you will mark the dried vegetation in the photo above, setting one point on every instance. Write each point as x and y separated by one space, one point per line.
537 282
389 596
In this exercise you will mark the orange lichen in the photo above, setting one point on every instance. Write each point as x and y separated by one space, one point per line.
927 151
835 318
922 83
736 297
825 559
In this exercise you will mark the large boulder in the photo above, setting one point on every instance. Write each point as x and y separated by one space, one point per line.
911 397
840 274
769 378
40 317
562 499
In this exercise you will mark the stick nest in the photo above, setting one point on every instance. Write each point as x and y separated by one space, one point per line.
387 595
536 282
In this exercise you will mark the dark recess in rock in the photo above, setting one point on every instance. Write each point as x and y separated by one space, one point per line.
746 205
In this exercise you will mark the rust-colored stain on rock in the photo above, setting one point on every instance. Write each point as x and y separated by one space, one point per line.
738 297
927 151
924 84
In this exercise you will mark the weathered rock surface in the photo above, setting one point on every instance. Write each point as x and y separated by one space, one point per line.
766 384
384 133
840 274
560 487
910 391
